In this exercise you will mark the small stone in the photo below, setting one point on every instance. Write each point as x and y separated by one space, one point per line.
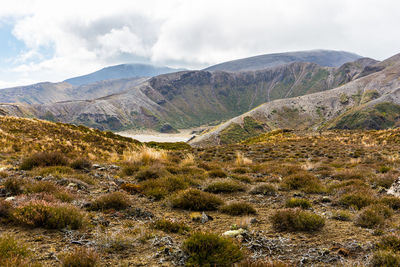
234 233
204 218
96 166
72 185
10 199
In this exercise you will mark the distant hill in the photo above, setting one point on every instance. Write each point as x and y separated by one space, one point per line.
46 92
328 58
193 98
120 72
370 101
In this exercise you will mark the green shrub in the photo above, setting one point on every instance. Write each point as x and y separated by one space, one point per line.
241 170
385 258
384 169
169 226
162 187
238 208
40 213
44 159
194 199
217 173
129 170
207 249
5 209
389 242
260 263
384 181
358 200
391 201
81 164
296 220
303 181
41 186
149 172
241 178
373 216
298 202
12 251
226 186
14 185
115 200
80 257
341 215
264 189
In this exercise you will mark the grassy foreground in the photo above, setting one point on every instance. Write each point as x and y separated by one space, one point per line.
74 196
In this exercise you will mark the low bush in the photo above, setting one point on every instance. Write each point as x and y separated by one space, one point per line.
264 189
217 173
81 164
385 258
358 199
225 186
129 170
298 202
373 216
196 200
44 159
169 226
150 172
241 170
341 215
14 186
12 251
5 209
389 242
162 187
56 171
80 257
115 200
260 263
238 209
304 181
391 201
40 213
241 178
207 249
296 220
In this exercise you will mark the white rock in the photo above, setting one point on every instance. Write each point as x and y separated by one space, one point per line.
10 199
233 233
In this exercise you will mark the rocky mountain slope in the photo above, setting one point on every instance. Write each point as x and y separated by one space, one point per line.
192 98
368 102
44 93
329 58
122 71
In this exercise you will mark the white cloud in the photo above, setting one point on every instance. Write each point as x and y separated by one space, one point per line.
82 36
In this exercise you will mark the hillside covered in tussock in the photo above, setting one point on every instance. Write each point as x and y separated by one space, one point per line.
75 196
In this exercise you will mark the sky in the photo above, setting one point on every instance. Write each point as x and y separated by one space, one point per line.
52 40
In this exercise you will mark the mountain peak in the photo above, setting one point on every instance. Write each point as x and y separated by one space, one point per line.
327 58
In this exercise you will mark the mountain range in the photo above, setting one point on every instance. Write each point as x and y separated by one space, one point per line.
310 90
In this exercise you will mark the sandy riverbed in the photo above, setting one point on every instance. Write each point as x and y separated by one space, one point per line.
182 136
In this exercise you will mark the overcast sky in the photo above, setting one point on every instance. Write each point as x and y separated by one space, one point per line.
51 40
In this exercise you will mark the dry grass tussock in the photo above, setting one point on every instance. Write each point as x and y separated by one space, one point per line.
145 155
241 160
